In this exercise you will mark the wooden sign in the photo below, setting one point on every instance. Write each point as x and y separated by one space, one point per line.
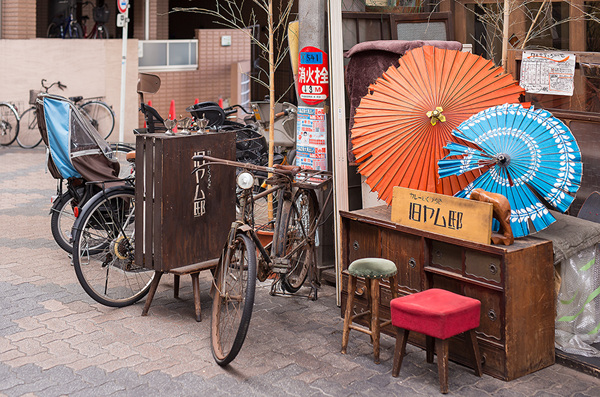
451 216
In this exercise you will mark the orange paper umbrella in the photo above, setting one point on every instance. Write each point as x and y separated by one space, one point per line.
402 125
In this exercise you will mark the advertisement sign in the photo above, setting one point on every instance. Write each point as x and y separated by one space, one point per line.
313 75
548 72
311 138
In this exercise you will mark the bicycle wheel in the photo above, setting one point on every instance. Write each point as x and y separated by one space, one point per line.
62 220
294 241
53 31
103 249
74 31
101 116
9 124
101 32
29 134
120 152
235 281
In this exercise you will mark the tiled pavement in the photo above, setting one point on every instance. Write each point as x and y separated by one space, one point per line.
55 340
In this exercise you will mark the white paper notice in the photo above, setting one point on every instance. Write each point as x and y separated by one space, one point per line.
548 72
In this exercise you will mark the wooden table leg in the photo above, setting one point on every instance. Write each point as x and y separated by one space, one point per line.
196 287
176 286
153 287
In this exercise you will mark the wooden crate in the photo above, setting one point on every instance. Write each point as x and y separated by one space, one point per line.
182 217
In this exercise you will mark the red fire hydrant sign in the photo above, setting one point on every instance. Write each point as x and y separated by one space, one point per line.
313 75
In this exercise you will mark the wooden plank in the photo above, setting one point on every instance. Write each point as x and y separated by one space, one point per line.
451 216
195 267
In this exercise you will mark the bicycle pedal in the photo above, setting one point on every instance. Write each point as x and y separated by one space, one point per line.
280 265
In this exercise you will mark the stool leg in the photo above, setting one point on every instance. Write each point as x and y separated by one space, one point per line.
176 286
375 317
441 349
400 350
196 288
348 313
369 310
475 350
429 348
394 286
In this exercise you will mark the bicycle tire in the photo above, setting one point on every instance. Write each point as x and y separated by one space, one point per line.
234 286
9 124
104 247
74 31
62 220
29 136
53 31
293 242
101 116
101 32
126 169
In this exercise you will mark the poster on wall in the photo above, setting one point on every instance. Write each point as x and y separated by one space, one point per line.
548 72
311 138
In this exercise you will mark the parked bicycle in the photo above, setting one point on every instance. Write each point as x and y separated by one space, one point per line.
9 123
289 258
98 112
65 26
101 15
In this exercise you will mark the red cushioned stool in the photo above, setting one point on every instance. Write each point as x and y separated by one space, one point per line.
439 314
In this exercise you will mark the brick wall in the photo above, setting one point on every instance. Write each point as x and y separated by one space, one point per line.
211 81
159 20
18 19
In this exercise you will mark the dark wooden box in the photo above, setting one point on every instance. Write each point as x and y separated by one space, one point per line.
182 217
515 285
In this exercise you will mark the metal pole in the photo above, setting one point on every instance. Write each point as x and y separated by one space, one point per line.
338 126
123 77
147 20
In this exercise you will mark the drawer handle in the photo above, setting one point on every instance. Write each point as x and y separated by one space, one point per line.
356 246
493 268
492 315
412 262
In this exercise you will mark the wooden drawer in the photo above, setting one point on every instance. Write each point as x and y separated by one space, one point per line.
363 242
446 256
483 266
405 251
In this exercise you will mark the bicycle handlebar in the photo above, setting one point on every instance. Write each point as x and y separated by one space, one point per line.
57 83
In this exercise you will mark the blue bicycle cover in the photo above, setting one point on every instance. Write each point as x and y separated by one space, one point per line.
57 115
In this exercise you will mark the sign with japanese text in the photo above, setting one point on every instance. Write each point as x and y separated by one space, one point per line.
548 72
311 138
437 213
313 75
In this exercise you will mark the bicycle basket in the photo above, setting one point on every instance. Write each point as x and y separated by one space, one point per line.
101 14
33 96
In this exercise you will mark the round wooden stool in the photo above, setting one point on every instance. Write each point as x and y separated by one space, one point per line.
439 314
371 269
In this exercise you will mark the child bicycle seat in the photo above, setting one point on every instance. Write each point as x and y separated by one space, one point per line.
210 111
154 122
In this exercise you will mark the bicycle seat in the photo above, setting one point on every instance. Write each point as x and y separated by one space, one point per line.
130 156
75 98
210 111
294 169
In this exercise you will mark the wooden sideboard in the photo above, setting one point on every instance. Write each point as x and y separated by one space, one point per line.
515 285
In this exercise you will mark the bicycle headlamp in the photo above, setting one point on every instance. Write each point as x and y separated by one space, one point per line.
245 180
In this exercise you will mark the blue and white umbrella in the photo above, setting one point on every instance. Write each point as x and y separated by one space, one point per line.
531 157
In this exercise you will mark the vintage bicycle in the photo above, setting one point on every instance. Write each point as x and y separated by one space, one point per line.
9 123
289 258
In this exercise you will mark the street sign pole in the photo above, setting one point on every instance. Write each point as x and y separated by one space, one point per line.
123 7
